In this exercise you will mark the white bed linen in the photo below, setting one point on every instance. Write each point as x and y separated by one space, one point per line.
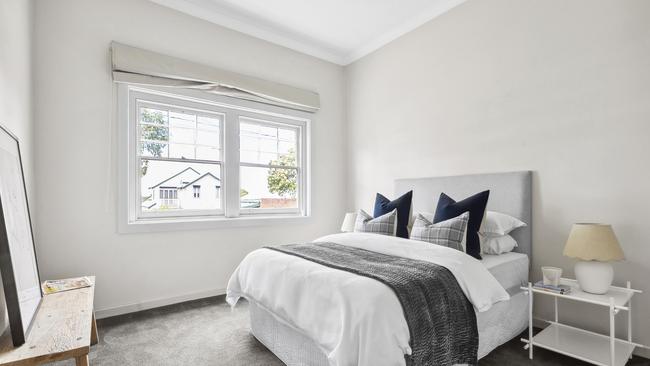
354 319
510 269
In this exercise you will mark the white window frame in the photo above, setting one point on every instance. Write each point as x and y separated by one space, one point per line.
137 99
299 157
130 217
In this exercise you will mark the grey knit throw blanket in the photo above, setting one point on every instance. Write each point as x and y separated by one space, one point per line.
441 321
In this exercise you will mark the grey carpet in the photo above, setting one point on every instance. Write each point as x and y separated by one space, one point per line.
206 332
202 332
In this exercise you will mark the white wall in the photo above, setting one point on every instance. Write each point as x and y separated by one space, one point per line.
16 24
558 87
76 131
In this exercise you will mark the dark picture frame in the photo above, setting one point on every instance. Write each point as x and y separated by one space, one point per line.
18 266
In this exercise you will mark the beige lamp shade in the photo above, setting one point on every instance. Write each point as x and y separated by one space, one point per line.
348 222
593 242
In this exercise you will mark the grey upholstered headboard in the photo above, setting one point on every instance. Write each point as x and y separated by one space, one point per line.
510 193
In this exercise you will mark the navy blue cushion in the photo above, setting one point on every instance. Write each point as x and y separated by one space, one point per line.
403 205
448 208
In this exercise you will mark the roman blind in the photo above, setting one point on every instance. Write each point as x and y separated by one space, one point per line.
138 66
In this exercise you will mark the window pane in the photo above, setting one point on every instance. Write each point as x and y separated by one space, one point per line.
287 135
268 187
208 138
170 185
153 116
208 123
248 143
180 135
268 132
181 151
207 153
153 138
266 144
153 149
154 133
285 147
185 120
258 157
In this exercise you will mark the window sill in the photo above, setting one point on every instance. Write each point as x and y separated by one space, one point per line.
207 223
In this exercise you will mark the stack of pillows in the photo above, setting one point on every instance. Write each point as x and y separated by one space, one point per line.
495 233
463 225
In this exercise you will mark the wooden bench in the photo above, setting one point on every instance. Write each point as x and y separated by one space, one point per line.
64 327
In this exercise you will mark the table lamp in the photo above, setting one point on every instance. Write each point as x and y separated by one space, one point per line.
595 245
348 222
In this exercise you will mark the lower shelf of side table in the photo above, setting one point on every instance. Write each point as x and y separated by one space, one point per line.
586 346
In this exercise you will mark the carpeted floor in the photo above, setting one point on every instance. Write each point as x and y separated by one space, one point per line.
206 332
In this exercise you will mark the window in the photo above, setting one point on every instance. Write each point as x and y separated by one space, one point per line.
268 166
175 146
168 198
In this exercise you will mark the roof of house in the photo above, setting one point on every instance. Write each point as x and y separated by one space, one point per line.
174 176
199 178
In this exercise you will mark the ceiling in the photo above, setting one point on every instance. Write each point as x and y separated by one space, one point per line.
339 31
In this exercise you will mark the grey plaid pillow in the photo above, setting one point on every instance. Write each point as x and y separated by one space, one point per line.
384 224
448 233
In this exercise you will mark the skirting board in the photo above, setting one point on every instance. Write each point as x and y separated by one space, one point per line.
151 304
132 308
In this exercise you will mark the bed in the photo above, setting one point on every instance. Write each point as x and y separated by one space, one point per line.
285 330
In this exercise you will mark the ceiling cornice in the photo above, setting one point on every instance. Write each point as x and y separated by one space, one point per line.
257 27
437 9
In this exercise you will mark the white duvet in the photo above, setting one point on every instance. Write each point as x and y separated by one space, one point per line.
354 319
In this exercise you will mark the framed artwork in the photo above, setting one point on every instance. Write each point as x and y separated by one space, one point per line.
18 266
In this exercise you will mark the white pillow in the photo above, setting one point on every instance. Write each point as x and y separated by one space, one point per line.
498 224
497 244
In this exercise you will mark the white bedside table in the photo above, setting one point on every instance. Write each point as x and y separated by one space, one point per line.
581 344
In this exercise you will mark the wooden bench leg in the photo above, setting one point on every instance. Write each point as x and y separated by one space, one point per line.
94 336
82 360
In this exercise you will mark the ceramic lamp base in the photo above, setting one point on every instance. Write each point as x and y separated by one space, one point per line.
594 277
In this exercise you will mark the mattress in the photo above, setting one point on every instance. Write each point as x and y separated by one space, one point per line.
510 269
496 326
505 320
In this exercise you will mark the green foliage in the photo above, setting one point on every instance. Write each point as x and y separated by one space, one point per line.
283 181
156 131
144 166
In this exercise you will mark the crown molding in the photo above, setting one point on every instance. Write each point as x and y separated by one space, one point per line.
437 9
258 27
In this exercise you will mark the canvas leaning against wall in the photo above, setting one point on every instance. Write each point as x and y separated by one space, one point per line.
18 266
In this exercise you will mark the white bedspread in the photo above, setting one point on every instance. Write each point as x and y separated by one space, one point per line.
356 320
